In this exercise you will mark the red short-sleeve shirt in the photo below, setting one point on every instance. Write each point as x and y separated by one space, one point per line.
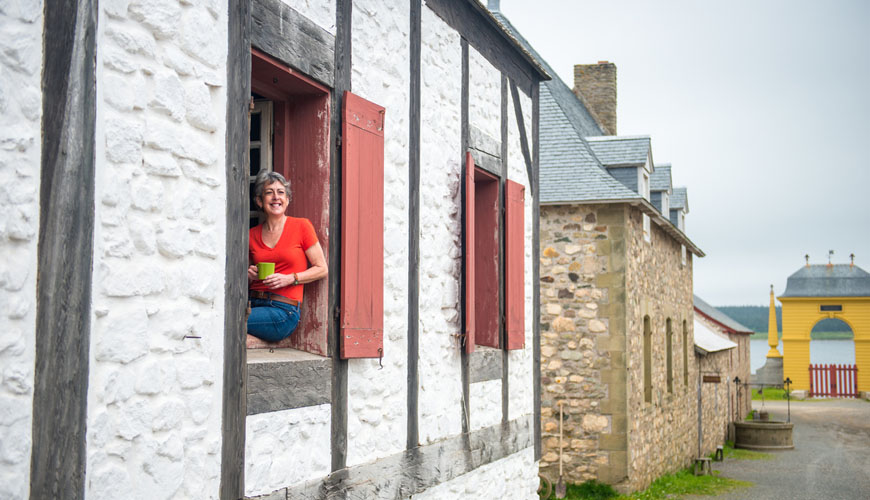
288 255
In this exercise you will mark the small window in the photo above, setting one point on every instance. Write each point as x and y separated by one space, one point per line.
484 258
290 135
669 353
647 360
683 254
685 355
646 228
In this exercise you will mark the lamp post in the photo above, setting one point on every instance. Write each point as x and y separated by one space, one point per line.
787 383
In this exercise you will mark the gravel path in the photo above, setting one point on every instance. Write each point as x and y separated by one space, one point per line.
831 458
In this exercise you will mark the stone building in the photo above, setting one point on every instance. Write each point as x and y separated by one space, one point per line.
715 391
739 361
616 295
130 131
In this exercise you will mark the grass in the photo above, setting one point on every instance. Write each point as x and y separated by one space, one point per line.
671 486
685 483
740 454
813 336
770 394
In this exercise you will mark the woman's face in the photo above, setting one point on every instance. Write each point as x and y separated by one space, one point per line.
274 200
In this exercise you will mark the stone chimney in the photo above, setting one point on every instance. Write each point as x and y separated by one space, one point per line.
595 85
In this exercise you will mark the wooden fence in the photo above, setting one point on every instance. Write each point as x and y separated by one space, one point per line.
837 381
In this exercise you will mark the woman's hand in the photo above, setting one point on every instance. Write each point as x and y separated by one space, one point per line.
275 281
252 273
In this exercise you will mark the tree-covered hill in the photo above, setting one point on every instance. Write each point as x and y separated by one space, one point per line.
755 318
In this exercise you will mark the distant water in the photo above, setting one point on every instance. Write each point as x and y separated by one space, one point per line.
839 352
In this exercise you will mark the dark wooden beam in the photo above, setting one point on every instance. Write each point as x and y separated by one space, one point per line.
505 364
65 251
292 38
524 140
536 268
463 354
413 436
235 299
488 39
343 68
431 465
283 385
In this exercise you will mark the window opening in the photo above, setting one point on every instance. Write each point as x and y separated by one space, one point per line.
290 135
487 258
647 360
670 354
685 355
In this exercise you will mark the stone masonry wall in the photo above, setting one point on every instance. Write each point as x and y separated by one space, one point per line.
582 294
662 434
154 402
715 400
595 85
21 26
738 366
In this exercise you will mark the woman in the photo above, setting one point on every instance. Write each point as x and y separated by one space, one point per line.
291 244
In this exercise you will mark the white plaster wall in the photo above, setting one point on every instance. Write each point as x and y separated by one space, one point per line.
514 477
484 95
485 403
320 11
286 447
21 24
440 391
154 401
520 376
377 397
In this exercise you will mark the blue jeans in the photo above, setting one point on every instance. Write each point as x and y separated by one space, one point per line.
271 320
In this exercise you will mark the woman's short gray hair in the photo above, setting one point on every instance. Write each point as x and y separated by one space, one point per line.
266 177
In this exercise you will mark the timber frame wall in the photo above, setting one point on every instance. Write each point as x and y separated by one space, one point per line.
406 473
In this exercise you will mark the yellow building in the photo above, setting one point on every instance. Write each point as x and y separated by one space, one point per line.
818 292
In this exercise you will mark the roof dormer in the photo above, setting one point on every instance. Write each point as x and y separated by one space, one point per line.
661 188
627 158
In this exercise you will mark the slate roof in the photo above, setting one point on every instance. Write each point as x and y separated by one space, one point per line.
615 150
823 280
660 179
680 199
707 341
718 316
569 170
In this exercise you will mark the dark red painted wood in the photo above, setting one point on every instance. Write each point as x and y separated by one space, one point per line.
486 259
469 253
301 154
515 240
362 229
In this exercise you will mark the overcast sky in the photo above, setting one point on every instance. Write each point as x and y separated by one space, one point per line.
762 106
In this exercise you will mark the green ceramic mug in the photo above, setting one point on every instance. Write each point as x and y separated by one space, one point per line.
264 269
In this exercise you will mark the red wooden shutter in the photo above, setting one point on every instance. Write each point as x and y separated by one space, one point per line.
469 252
515 240
362 229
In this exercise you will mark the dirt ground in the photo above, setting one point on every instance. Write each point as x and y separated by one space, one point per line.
830 460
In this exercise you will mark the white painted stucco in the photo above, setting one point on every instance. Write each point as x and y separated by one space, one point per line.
286 447
485 401
484 95
440 378
377 397
520 374
154 396
514 477
21 25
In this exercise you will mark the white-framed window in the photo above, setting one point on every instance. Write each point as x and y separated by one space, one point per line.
666 203
681 221
644 191
261 150
683 254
